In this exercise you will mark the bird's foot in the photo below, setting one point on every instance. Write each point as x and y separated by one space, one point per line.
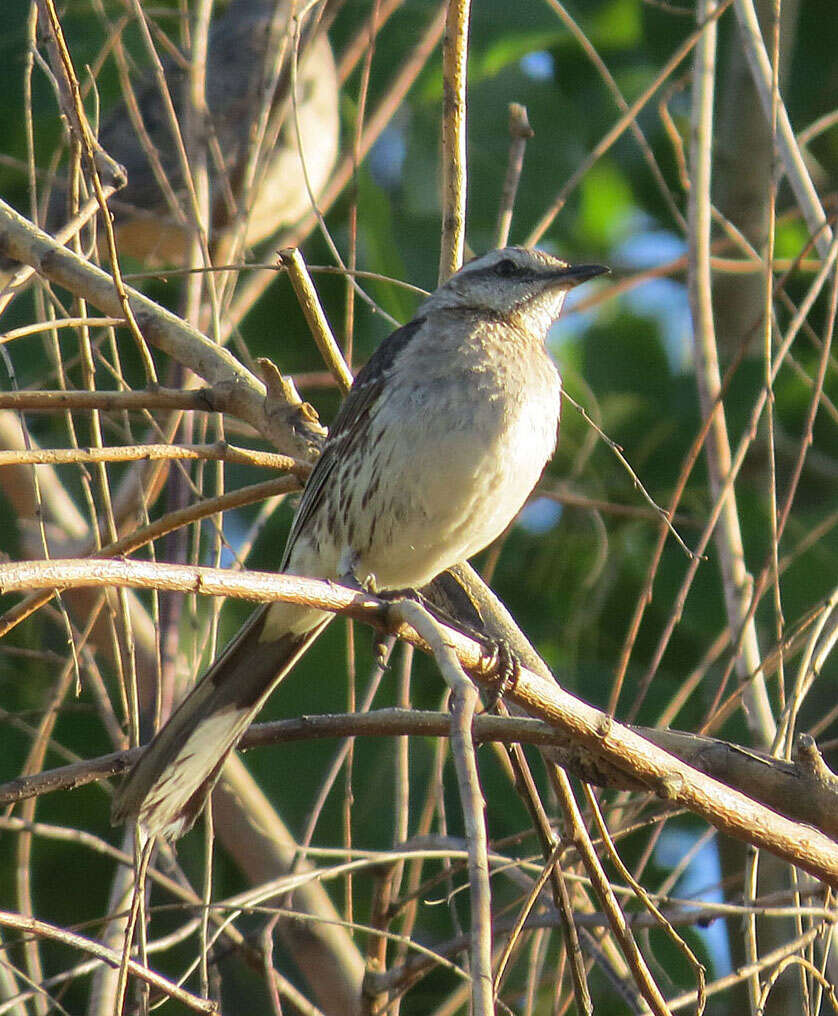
381 643
505 667
381 647
363 583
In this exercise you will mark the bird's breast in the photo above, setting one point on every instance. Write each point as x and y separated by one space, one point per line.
456 458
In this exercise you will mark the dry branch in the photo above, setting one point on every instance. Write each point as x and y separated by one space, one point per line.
291 426
41 929
804 790
671 779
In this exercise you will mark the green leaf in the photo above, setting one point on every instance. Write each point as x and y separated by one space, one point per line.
617 25
607 205
791 237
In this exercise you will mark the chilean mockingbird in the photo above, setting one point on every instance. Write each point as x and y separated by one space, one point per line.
443 435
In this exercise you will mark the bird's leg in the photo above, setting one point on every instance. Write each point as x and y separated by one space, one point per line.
367 584
436 612
502 661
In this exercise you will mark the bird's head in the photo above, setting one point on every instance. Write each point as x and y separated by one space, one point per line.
518 281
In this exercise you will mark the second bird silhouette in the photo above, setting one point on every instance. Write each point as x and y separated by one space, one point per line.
252 193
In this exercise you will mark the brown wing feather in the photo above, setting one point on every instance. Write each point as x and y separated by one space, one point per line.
349 424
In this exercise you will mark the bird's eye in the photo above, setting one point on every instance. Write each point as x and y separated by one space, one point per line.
506 268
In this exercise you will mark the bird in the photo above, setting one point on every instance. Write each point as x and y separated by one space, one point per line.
440 440
243 46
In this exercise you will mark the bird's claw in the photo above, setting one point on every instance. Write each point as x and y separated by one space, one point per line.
505 667
381 646
363 583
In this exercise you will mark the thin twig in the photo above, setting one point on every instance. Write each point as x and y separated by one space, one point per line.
750 35
624 122
454 176
315 316
519 133
662 513
157 529
464 699
93 153
61 399
525 785
577 832
219 451
644 896
245 394
591 52
737 582
86 945
392 97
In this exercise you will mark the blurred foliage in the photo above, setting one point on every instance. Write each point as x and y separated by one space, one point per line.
572 584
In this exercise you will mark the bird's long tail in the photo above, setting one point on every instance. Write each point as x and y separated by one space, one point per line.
169 785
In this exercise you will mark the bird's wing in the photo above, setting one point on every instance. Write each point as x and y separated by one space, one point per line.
349 424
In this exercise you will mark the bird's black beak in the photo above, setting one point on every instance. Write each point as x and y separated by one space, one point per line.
573 275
